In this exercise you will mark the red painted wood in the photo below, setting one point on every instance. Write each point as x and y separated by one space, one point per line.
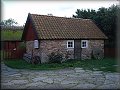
30 35
110 52
10 46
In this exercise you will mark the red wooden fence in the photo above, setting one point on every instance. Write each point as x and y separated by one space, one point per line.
11 50
110 52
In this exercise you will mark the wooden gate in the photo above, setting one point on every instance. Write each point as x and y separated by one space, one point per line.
110 52
77 49
11 50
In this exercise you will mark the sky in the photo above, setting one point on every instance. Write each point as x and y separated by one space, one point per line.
18 10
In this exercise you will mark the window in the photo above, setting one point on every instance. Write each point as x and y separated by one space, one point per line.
36 44
70 44
84 44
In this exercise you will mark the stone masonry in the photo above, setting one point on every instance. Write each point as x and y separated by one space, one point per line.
29 47
48 46
92 45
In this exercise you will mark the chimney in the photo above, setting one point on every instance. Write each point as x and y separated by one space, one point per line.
50 14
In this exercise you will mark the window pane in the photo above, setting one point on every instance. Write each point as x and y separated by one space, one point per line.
70 44
84 44
36 44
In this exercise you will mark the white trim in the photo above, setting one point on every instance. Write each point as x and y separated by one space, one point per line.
72 43
86 43
36 44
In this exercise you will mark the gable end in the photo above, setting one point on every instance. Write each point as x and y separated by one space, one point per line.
29 32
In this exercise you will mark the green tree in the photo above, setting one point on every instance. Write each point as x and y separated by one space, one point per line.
105 19
8 22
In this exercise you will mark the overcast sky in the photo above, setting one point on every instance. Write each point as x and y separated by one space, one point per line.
18 10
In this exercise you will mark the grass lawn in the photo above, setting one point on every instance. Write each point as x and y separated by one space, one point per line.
1 55
107 64
11 35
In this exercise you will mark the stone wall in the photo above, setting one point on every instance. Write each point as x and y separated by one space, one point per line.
48 46
30 49
92 44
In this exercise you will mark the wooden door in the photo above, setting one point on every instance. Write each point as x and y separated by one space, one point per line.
77 49
12 51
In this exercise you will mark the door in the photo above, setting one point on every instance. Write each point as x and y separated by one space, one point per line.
77 49
12 51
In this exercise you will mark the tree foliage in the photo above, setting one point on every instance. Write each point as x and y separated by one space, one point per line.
8 22
105 19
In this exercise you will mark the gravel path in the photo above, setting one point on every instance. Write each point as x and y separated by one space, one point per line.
76 78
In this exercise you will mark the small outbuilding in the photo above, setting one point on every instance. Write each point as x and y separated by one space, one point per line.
75 37
11 42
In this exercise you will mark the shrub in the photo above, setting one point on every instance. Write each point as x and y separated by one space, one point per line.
67 54
22 45
55 57
97 53
36 60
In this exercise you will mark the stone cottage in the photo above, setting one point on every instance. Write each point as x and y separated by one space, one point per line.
77 37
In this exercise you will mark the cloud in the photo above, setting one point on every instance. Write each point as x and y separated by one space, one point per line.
19 10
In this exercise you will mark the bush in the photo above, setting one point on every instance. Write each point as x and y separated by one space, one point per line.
36 60
55 57
22 45
97 54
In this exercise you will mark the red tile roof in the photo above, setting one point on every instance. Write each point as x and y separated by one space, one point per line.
52 27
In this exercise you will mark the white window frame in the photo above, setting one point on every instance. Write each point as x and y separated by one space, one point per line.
82 43
72 43
36 44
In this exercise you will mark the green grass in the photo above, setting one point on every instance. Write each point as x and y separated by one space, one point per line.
1 54
107 64
5 55
11 35
21 64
